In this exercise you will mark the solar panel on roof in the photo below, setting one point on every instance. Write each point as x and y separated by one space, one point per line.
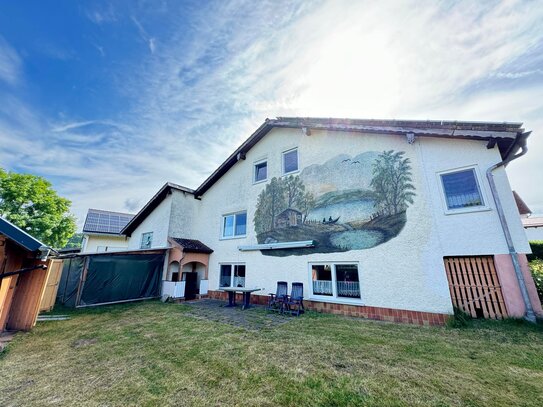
105 222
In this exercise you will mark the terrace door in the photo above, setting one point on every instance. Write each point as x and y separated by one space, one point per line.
191 286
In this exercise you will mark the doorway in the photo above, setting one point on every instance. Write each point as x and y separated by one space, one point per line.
191 285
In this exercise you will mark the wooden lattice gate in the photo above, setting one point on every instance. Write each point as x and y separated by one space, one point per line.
474 286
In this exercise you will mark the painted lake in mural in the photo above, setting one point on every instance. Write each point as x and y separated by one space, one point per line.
346 203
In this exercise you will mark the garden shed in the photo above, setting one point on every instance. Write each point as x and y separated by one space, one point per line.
23 276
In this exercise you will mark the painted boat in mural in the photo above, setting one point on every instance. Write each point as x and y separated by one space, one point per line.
330 222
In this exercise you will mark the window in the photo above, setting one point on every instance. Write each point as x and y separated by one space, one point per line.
290 161
261 171
461 189
339 281
146 240
234 225
232 275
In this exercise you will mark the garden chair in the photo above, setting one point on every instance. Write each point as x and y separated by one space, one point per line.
276 301
295 303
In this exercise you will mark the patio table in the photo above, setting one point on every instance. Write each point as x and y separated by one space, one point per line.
246 295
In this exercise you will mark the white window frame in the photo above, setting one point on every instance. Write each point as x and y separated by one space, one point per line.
232 264
334 298
283 161
467 209
263 160
234 236
141 241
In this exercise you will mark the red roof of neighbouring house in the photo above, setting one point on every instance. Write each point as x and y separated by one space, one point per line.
521 205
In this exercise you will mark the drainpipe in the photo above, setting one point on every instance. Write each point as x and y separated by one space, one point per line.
521 140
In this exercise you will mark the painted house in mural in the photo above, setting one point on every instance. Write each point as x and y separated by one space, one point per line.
101 231
394 220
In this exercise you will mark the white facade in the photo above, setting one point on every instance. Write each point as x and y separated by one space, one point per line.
94 243
405 272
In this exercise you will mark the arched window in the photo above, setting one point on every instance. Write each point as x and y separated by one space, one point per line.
173 271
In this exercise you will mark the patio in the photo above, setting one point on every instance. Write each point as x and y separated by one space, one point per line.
254 318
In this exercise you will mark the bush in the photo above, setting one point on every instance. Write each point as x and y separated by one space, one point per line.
459 320
536 266
537 250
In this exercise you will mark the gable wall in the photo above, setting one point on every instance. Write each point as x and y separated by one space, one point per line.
405 272
157 222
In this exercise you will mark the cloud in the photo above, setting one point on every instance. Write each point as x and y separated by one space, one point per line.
151 42
102 15
10 63
223 67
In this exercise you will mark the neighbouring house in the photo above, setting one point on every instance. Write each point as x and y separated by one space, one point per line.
534 228
23 277
523 209
395 220
101 231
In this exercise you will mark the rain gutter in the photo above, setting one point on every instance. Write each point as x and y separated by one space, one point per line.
521 142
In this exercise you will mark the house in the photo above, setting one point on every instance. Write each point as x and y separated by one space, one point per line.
534 228
423 219
23 277
101 231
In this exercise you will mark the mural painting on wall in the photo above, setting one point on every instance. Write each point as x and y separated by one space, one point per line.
347 203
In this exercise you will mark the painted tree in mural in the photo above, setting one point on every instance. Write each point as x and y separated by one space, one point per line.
280 194
294 190
271 202
307 202
392 182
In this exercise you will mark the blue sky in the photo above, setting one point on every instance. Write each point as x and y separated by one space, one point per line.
111 99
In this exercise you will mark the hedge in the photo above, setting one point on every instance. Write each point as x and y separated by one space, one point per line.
537 250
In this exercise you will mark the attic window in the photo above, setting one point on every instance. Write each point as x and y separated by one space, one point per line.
261 171
146 240
290 161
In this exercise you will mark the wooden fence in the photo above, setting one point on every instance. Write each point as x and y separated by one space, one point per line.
474 286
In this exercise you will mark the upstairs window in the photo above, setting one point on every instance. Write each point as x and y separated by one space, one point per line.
234 225
461 189
290 161
146 240
261 171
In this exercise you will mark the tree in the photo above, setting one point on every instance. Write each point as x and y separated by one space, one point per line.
30 202
391 182
75 241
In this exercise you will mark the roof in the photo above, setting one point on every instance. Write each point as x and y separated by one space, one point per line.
191 245
503 135
19 236
106 222
521 205
532 222
151 205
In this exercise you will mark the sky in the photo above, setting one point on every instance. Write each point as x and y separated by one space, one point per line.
111 99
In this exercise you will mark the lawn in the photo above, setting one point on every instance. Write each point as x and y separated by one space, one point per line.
161 354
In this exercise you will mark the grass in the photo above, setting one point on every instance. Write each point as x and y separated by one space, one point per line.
155 354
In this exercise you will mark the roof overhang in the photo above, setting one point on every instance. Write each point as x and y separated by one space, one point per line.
503 135
22 238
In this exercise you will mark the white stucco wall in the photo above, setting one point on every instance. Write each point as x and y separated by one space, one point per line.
92 242
406 272
157 222
183 210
